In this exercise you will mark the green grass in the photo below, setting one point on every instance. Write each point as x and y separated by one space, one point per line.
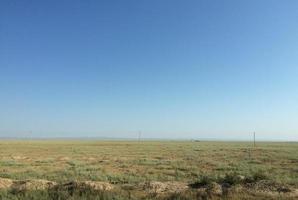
130 161
61 195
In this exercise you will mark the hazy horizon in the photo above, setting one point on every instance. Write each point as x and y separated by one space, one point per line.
170 69
148 136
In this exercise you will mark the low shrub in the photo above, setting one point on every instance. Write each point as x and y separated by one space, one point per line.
232 178
203 180
257 176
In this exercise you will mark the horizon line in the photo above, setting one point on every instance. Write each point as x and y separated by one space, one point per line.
86 138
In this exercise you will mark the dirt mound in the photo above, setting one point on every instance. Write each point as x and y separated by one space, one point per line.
214 189
164 187
92 185
272 189
25 185
5 183
96 185
267 186
264 188
294 193
32 185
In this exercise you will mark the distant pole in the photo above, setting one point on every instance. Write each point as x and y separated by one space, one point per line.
254 139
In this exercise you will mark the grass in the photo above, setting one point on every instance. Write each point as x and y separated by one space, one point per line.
130 162
61 195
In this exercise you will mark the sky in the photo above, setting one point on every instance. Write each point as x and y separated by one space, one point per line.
171 69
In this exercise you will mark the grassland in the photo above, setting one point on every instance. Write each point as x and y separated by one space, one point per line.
133 162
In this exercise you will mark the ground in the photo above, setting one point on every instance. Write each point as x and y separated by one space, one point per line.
134 162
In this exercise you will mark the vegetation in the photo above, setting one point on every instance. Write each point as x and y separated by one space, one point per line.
128 163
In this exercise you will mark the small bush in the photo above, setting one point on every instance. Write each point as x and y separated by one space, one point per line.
203 181
257 176
260 175
232 178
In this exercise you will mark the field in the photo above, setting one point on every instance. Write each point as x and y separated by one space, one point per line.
130 165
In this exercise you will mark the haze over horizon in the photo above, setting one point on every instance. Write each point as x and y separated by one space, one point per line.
171 69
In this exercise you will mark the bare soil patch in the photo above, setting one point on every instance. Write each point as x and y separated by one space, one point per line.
164 187
5 183
91 185
32 185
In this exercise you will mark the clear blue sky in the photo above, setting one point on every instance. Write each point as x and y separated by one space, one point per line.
172 69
